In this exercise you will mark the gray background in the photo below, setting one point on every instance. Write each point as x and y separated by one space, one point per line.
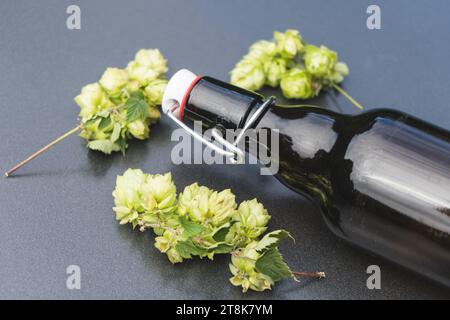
57 211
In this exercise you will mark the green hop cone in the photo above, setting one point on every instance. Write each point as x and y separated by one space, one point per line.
193 202
104 133
251 220
289 43
203 205
320 61
245 274
158 199
127 196
297 84
174 256
142 74
113 80
167 244
262 50
166 241
132 86
204 217
340 72
154 91
139 129
91 100
93 131
153 114
274 70
222 206
138 197
149 64
300 69
253 216
153 59
162 189
248 74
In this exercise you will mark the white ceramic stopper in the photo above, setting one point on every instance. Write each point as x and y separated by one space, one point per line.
178 84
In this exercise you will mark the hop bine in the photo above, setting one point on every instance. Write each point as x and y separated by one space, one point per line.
300 69
120 106
201 222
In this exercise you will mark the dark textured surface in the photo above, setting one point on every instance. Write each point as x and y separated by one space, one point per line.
57 211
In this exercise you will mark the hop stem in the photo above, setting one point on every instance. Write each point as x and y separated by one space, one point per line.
292 106
349 97
34 155
318 275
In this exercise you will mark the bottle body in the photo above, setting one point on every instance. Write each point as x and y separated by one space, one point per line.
381 178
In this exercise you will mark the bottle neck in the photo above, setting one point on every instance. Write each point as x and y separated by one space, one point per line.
305 137
219 104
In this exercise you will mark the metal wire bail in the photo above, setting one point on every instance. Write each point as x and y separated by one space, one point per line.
231 151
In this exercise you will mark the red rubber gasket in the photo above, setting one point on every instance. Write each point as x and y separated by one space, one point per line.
186 95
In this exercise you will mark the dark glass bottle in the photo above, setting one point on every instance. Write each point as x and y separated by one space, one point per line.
380 178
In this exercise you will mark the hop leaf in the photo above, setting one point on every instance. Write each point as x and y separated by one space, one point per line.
92 100
271 240
91 130
190 228
272 265
136 107
245 274
259 265
105 123
115 135
187 249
